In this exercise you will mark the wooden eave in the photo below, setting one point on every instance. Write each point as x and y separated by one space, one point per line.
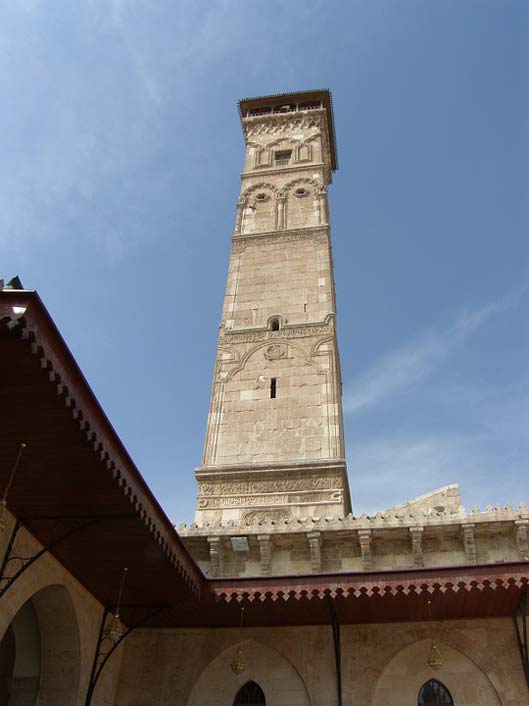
75 466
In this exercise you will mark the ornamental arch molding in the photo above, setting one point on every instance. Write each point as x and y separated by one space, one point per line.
271 670
267 344
255 187
403 676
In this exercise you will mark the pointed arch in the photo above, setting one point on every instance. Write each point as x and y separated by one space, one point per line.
434 693
249 694
266 666
459 670
255 187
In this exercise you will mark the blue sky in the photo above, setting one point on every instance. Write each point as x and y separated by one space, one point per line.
121 153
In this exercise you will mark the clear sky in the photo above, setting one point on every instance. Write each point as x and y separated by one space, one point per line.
121 153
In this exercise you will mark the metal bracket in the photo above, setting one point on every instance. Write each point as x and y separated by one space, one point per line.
335 624
520 625
104 652
12 559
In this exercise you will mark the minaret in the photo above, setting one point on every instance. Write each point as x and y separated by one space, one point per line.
274 442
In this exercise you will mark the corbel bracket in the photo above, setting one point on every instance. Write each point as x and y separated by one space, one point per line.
14 565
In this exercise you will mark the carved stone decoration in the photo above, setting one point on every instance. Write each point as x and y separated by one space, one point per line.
261 516
265 550
416 545
276 124
364 538
275 352
214 555
315 551
264 334
469 542
521 536
316 233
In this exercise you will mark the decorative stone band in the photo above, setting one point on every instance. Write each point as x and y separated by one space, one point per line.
255 334
320 234
517 517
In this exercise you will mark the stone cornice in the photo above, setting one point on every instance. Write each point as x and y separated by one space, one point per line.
320 233
276 171
394 520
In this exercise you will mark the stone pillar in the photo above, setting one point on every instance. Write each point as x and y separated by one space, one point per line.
322 205
469 542
214 555
521 537
416 545
265 549
281 200
240 210
315 551
364 537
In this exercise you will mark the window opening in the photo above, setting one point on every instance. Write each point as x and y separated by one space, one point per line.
250 694
273 388
282 157
433 693
274 325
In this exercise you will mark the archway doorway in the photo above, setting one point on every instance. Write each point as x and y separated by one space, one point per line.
40 653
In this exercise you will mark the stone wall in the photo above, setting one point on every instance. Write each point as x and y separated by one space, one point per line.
382 665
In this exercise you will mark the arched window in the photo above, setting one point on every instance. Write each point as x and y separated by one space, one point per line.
275 324
433 693
249 694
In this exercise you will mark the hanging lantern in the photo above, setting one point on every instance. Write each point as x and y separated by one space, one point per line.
238 664
114 631
435 658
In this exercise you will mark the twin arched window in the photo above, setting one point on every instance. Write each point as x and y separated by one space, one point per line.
433 693
250 694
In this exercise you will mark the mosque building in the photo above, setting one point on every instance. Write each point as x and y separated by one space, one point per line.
277 594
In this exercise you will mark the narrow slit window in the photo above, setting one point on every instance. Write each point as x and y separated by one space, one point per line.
273 388
274 324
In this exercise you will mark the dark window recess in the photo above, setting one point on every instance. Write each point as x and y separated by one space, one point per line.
433 693
282 157
273 388
250 693
274 324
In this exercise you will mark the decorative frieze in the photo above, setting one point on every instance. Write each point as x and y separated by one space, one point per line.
277 124
317 234
255 335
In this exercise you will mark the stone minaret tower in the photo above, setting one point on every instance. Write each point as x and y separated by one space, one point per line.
274 442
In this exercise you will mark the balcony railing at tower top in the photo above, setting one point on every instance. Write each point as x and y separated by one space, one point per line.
286 108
